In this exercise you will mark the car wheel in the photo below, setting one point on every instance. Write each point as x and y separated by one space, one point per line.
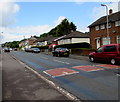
68 55
113 61
92 59
58 55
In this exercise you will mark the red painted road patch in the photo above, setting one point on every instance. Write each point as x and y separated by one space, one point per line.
87 68
60 72
109 66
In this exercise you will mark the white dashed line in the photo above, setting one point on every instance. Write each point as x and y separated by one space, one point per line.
44 57
61 62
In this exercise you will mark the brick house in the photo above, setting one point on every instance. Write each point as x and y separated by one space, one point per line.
98 30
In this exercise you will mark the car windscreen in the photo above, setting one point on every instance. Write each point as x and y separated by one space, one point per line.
64 49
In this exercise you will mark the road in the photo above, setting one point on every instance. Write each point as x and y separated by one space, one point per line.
82 78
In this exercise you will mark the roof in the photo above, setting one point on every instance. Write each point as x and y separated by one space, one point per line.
48 38
32 38
59 38
76 34
111 18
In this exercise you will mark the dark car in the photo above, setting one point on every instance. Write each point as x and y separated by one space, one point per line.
35 50
109 53
6 49
15 49
61 52
28 49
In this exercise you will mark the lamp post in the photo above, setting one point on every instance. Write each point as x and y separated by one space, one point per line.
107 22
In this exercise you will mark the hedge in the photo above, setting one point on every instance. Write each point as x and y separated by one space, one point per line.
41 47
74 45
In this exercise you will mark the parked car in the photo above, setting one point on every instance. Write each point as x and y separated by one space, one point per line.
15 49
6 49
35 50
28 49
109 53
61 52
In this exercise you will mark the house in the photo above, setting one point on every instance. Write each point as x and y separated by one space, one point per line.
22 44
41 42
57 39
45 40
74 37
98 30
30 42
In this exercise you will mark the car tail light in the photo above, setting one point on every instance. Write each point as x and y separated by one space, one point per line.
62 51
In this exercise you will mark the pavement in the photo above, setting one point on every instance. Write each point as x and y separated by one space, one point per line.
20 83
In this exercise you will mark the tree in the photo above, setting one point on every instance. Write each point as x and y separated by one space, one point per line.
72 26
44 35
64 28
14 44
53 31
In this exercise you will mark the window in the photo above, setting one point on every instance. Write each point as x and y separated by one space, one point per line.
110 49
99 49
118 39
102 26
117 23
109 25
96 27
106 41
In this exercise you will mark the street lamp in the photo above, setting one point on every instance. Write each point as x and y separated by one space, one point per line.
107 22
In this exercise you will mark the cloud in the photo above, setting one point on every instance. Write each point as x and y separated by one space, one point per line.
59 20
101 11
17 33
8 11
83 29
10 37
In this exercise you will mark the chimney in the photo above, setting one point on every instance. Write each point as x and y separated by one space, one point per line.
110 11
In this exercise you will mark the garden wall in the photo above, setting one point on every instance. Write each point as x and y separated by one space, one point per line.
83 52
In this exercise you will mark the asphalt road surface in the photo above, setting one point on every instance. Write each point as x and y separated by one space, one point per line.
82 78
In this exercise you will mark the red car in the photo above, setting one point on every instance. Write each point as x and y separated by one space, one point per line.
109 53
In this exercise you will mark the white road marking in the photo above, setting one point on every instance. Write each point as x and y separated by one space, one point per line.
61 62
95 70
117 74
47 73
44 57
65 74
61 90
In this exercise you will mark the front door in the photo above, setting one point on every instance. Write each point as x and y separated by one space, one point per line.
98 43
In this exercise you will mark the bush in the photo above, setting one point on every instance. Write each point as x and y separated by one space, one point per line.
41 47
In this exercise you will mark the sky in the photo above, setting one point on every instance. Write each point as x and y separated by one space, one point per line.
19 19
